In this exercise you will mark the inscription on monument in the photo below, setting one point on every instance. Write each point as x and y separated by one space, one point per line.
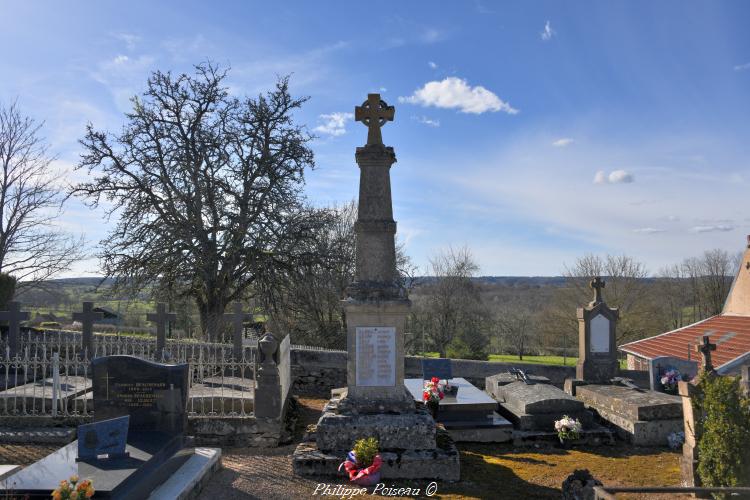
376 356
599 334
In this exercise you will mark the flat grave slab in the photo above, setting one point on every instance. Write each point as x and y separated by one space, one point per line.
189 479
236 383
494 382
203 399
645 405
469 415
645 418
536 407
37 395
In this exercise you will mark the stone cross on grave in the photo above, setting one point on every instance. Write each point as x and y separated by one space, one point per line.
597 284
14 316
161 318
87 318
374 113
237 318
705 350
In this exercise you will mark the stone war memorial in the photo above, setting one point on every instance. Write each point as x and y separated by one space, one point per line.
375 402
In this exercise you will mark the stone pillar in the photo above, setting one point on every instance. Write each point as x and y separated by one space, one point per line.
376 307
745 381
689 460
597 349
268 402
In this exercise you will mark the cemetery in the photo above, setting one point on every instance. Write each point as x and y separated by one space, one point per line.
233 337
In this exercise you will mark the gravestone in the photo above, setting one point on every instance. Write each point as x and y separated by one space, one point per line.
440 368
237 319
468 415
153 396
14 316
597 358
87 318
704 349
657 367
375 402
161 318
105 437
642 417
538 406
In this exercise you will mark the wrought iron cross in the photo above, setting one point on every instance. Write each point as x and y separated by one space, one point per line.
237 318
705 350
14 316
161 318
597 284
374 113
87 318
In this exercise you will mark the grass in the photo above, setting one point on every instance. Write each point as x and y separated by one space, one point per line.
536 360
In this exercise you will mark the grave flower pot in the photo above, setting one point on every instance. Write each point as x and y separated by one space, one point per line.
359 475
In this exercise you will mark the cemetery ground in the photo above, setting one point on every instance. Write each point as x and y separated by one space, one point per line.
487 470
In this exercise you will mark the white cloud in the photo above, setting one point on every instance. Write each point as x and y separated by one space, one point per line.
548 32
562 142
614 177
432 64
649 230
456 93
383 89
426 121
712 228
431 35
673 218
742 67
334 124
129 39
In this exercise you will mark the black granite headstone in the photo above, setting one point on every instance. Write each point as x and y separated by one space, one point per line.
155 398
153 394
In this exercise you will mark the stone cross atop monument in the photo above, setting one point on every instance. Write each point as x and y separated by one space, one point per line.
237 319
14 316
87 318
374 113
161 318
597 284
704 349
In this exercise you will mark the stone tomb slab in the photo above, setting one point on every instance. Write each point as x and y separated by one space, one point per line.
494 382
204 399
632 404
35 396
644 418
469 415
536 407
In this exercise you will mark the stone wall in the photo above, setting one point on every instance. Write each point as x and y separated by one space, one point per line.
317 372
236 431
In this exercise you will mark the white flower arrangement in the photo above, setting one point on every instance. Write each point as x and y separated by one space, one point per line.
669 380
568 428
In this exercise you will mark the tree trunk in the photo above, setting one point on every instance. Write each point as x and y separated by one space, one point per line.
212 312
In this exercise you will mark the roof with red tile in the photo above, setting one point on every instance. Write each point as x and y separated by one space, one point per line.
730 333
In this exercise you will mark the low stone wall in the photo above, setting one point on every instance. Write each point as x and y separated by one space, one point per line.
317 372
235 431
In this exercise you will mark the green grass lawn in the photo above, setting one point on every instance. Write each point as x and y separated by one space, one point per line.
537 360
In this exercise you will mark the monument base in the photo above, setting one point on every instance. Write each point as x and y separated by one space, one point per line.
342 423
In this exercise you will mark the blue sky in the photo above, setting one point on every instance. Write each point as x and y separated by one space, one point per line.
531 134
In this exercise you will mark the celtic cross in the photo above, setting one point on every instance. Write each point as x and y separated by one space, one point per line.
374 113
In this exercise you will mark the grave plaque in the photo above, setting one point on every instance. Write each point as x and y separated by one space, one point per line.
376 356
153 394
106 437
599 334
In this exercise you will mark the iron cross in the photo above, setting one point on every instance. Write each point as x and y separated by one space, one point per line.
237 318
161 318
705 350
374 113
597 284
87 318
14 316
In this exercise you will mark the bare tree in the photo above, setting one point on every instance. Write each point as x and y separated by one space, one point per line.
449 307
31 249
516 327
718 269
207 189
